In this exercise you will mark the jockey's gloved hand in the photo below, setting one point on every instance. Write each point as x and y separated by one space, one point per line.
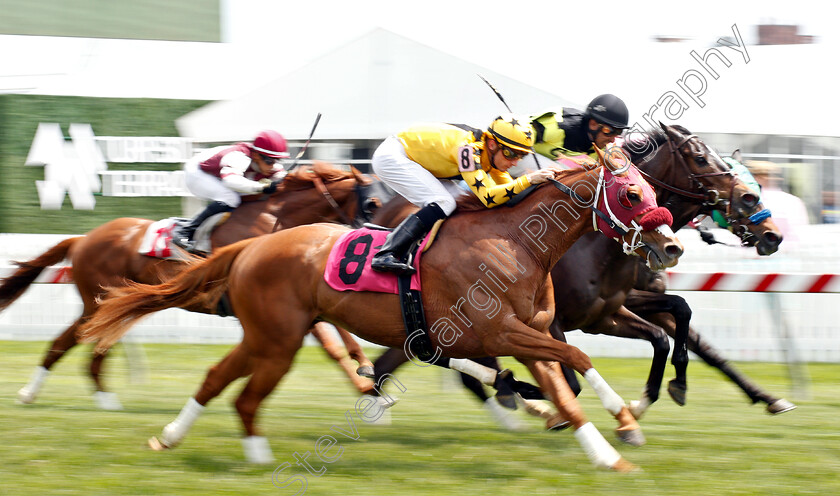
706 235
271 187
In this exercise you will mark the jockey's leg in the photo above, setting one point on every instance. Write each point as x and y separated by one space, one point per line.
183 235
391 257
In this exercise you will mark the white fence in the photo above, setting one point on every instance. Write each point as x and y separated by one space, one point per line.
744 326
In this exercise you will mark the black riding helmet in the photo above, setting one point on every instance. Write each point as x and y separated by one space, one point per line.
609 110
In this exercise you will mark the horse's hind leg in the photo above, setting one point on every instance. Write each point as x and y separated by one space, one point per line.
321 333
236 364
63 343
268 370
712 356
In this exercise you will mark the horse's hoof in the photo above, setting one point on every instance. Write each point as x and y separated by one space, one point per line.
632 437
625 467
557 423
365 371
677 391
107 401
257 450
26 396
780 406
156 445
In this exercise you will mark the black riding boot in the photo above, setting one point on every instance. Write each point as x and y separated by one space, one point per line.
182 235
392 256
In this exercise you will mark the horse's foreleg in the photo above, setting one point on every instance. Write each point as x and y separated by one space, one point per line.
626 324
521 341
599 451
646 304
356 353
322 333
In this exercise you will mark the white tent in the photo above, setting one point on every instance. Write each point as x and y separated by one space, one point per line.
367 89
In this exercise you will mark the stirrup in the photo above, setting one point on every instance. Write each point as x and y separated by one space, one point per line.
183 243
387 262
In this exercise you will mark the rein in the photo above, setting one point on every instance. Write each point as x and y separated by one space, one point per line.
709 197
319 185
614 224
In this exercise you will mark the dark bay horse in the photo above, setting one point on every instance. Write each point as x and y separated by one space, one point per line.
276 287
108 256
594 282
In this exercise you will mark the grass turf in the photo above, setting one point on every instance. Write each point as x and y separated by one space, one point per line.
440 442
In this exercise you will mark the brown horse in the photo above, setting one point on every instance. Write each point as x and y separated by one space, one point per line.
108 256
594 281
276 287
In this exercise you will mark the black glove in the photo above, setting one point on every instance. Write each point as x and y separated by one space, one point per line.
707 236
271 188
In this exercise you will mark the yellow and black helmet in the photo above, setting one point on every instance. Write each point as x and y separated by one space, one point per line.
513 131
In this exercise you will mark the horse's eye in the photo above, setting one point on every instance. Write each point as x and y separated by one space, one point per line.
701 160
627 198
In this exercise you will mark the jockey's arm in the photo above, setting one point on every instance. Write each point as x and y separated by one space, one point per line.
494 189
232 174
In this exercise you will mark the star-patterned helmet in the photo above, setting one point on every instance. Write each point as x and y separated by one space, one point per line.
513 131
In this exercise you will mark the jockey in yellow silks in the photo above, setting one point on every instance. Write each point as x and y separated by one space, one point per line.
423 162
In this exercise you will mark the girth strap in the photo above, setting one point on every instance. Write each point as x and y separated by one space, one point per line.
414 319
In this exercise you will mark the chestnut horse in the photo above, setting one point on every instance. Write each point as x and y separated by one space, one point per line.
594 282
108 256
276 287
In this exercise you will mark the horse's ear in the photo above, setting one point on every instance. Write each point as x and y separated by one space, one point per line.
602 159
736 155
670 132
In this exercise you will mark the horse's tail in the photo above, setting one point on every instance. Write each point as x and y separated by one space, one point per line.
201 285
15 285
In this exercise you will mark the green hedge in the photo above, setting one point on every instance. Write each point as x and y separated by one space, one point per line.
19 118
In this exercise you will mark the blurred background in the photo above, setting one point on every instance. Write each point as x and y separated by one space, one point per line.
101 102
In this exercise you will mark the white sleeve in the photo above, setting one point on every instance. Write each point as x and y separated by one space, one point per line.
234 165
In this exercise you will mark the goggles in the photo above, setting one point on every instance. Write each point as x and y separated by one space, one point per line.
268 160
511 154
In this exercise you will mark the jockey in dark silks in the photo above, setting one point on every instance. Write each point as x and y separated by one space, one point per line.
571 132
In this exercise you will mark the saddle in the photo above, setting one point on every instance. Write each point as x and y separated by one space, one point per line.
157 240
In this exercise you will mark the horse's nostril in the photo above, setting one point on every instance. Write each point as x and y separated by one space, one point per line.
772 237
749 200
673 251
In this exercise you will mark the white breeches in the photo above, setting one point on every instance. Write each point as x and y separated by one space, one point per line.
208 187
410 179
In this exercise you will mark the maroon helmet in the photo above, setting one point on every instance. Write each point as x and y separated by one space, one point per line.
271 144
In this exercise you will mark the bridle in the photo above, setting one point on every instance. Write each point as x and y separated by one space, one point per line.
363 213
710 197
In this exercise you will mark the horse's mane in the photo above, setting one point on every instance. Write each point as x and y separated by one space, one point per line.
468 202
642 152
302 177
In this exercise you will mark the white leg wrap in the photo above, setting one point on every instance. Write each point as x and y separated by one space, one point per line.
609 398
503 416
107 401
257 450
27 393
484 374
599 451
175 431
640 406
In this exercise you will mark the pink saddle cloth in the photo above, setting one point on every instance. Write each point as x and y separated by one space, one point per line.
348 266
